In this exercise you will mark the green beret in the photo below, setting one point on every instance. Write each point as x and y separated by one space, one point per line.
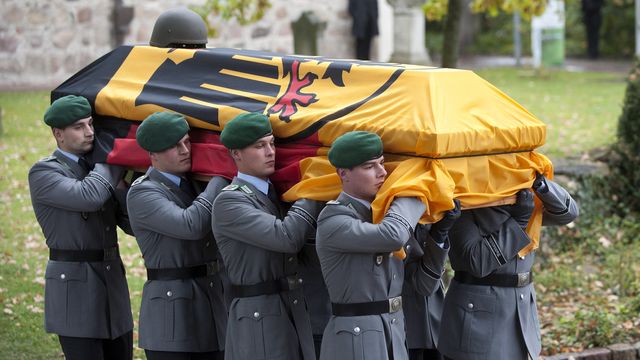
244 130
355 148
67 110
161 130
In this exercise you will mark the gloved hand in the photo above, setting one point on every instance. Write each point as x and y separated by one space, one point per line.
523 208
102 144
540 184
440 230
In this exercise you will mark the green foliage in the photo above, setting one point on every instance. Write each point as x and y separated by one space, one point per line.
625 159
495 32
437 9
243 11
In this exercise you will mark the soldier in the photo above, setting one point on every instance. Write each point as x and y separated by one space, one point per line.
423 311
490 306
363 278
179 28
259 241
86 293
182 314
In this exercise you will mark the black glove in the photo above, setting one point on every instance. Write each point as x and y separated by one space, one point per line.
540 184
102 144
440 230
522 209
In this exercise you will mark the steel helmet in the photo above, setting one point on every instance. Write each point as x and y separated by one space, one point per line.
179 27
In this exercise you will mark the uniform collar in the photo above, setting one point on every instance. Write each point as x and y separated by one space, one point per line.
361 201
173 178
71 156
261 185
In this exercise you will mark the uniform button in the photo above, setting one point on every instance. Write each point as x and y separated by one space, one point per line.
521 257
356 330
393 321
295 302
521 296
107 228
211 284
207 244
300 281
470 305
424 244
408 247
108 267
290 258
394 276
169 293
256 314
63 276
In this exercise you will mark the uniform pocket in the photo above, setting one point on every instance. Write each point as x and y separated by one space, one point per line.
362 335
475 316
170 309
65 291
265 328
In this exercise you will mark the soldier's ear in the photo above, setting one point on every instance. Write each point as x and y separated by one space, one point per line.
58 134
342 173
235 155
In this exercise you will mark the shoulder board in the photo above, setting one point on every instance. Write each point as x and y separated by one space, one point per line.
49 158
245 189
231 187
333 202
139 180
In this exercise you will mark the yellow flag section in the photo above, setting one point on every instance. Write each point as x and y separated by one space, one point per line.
447 133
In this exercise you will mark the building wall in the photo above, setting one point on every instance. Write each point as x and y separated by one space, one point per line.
43 42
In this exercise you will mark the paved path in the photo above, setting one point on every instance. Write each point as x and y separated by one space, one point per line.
608 65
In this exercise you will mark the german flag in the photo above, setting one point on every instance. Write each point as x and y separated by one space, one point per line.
447 133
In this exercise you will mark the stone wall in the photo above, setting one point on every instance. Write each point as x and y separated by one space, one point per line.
271 33
44 42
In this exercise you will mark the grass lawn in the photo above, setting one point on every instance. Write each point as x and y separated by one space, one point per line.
581 110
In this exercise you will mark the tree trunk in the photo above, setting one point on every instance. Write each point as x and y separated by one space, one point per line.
451 34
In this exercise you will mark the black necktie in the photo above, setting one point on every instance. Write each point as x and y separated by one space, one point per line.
84 164
273 196
187 187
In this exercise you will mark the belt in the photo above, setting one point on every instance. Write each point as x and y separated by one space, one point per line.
391 305
192 272
287 283
96 255
502 280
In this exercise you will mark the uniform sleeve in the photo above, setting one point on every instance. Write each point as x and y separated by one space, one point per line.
50 186
122 216
559 206
150 209
343 231
235 216
426 274
486 252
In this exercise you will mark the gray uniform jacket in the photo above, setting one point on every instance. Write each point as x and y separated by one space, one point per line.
423 310
258 244
357 267
491 322
77 211
173 230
